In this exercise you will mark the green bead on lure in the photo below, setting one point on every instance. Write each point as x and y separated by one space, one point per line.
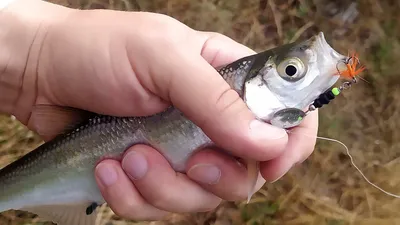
335 91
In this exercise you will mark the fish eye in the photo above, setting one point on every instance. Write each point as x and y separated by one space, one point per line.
292 69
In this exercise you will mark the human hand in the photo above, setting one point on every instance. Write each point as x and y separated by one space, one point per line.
131 64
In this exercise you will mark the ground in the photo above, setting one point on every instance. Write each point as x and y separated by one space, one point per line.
325 189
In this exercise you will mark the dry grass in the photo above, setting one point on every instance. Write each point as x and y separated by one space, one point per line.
325 189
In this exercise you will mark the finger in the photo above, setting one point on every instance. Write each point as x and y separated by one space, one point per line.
161 186
220 50
220 174
301 144
219 110
121 195
50 120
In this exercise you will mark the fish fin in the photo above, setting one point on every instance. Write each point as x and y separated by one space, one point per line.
253 171
50 121
74 214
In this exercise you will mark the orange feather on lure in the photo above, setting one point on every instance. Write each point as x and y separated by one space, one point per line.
351 68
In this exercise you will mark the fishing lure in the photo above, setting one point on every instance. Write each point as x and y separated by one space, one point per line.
325 98
350 74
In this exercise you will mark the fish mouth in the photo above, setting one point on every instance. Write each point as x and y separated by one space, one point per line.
333 60
325 48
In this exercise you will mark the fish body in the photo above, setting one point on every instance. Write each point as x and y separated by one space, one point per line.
56 180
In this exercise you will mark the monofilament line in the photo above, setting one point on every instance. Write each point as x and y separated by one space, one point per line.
352 162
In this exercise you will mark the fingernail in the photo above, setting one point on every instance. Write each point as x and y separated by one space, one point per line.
277 179
107 174
205 173
265 131
285 170
135 164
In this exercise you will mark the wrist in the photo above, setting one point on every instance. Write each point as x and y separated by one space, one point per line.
23 25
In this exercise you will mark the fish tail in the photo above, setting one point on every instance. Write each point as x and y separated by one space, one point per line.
253 170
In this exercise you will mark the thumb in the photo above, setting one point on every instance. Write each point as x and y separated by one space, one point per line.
201 93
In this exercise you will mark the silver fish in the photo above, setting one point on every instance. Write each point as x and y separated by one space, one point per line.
56 181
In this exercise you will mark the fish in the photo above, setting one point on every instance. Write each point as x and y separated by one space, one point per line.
56 180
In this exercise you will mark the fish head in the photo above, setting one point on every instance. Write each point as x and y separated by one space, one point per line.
291 77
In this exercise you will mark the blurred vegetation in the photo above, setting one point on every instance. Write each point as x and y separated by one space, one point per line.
325 189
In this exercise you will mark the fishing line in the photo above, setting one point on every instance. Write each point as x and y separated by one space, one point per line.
351 160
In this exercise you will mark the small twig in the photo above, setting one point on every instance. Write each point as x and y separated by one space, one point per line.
288 196
301 31
111 4
126 4
369 203
136 4
251 31
277 19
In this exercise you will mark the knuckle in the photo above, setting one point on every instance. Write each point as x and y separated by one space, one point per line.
229 101
307 149
133 211
126 209
162 200
275 149
237 193
170 37
226 99
213 204
215 35
178 203
307 152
